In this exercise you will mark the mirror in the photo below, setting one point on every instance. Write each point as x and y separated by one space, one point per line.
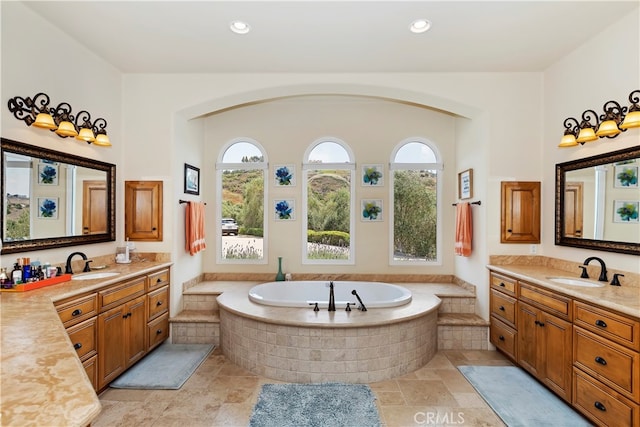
52 199
598 202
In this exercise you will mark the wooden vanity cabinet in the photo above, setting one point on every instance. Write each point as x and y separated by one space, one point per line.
158 308
503 332
520 218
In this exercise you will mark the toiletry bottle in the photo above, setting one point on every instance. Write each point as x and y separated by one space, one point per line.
16 274
5 283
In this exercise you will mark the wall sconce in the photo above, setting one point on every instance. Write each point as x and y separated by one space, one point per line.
609 125
36 111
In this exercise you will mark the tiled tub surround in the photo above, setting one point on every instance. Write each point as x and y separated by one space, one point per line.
300 345
42 381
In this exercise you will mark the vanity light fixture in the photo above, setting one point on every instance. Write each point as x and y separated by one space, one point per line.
36 111
420 26
240 27
608 125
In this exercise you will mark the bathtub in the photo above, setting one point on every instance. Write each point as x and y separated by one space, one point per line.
306 293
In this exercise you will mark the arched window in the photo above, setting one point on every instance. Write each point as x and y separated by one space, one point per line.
328 212
415 196
241 172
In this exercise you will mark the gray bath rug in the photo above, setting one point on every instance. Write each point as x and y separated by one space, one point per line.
315 405
167 367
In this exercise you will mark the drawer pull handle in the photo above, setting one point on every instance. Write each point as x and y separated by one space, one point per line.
600 406
159 331
501 308
77 345
502 284
537 322
501 337
159 280
76 312
601 361
159 303
601 323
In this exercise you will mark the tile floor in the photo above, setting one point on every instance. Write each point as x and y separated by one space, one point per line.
220 393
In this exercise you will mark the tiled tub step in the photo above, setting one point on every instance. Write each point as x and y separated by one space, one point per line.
195 327
462 331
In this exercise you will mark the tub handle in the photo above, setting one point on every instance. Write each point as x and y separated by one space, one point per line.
316 306
348 307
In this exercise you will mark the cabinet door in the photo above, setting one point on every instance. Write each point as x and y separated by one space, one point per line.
136 324
143 210
520 220
556 355
111 342
528 338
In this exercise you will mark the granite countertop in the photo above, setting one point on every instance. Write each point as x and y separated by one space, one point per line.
623 299
42 379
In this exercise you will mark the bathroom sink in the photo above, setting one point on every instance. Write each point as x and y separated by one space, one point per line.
575 282
93 276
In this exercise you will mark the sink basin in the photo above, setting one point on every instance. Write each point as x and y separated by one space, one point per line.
93 276
575 282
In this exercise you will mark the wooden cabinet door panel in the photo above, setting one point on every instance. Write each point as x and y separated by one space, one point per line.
143 210
528 338
136 344
111 342
557 354
520 219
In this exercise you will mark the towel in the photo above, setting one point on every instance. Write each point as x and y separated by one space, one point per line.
194 227
464 231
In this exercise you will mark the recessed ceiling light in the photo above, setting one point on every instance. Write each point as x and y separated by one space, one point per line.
240 27
420 26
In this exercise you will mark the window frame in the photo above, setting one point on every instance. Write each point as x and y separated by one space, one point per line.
306 167
220 167
438 166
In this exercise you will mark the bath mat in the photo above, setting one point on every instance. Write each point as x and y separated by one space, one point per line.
519 399
167 367
315 405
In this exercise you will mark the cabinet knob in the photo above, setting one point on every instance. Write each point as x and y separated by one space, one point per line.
537 322
76 312
600 406
509 230
159 303
159 331
601 361
77 345
153 229
601 323
501 308
159 280
502 284
501 337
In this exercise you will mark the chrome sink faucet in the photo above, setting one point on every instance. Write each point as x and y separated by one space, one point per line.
67 268
603 269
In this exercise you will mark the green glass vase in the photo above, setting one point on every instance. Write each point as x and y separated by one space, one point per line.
280 275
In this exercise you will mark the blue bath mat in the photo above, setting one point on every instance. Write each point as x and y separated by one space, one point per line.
520 400
315 405
167 367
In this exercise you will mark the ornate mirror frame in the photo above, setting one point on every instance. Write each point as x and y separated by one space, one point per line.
62 241
561 170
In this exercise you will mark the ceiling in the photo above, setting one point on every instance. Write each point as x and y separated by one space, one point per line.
331 36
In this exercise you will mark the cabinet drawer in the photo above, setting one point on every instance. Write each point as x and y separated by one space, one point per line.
74 311
620 329
503 337
601 404
548 301
503 284
91 368
84 338
159 279
608 362
504 308
158 302
158 330
121 293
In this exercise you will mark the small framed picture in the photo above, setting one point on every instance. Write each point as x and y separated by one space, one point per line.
626 211
626 176
465 184
371 210
372 176
191 179
48 207
284 210
47 174
285 175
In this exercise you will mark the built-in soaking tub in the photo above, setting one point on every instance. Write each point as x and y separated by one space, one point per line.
298 344
302 294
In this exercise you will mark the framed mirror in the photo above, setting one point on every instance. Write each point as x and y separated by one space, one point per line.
52 199
598 202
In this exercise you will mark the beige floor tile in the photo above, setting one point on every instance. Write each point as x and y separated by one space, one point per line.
426 392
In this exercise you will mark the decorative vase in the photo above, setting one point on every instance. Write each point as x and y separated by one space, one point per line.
280 275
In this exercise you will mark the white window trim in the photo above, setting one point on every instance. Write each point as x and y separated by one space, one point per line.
306 167
438 167
220 167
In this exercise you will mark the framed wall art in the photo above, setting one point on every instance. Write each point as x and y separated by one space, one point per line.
372 176
626 176
48 207
285 175
626 211
284 210
47 174
191 179
371 210
465 184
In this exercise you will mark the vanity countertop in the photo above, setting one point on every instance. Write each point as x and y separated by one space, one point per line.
42 380
623 299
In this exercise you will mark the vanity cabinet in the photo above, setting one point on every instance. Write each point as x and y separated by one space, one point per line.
520 218
143 210
587 354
